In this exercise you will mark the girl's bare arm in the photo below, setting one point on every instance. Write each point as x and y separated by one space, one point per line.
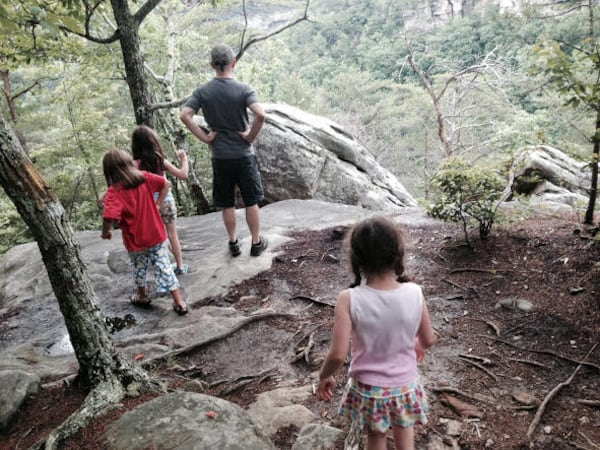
179 172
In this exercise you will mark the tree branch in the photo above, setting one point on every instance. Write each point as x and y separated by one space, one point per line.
244 47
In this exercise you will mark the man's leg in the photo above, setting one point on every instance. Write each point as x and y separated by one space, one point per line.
253 221
230 225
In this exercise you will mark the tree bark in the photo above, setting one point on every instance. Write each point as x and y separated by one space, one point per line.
129 38
589 214
101 368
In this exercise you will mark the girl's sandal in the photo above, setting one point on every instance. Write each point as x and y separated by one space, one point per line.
180 309
137 300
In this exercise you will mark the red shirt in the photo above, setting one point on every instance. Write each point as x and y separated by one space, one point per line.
137 213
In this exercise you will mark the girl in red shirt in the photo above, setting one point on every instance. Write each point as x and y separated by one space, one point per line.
129 201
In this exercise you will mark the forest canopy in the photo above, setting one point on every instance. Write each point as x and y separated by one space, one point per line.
366 65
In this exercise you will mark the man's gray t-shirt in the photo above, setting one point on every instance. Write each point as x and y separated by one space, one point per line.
224 103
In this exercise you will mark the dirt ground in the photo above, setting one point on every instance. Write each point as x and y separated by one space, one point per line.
517 318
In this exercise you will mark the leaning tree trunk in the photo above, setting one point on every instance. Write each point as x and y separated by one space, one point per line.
101 369
589 214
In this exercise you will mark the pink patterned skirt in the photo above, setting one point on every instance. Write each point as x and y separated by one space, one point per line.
379 408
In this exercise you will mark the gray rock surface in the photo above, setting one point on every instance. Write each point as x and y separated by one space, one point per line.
314 436
282 407
16 386
186 421
35 339
306 156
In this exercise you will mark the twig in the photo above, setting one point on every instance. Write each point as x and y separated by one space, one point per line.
477 397
310 299
533 363
480 367
588 440
544 352
244 380
481 359
490 324
538 415
474 269
452 283
585 402
303 352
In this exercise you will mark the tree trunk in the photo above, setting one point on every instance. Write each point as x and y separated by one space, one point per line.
101 369
129 38
589 214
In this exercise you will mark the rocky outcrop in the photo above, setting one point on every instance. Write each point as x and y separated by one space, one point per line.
305 156
549 177
35 339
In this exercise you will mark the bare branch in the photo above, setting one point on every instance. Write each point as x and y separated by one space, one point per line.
166 105
144 10
244 47
90 10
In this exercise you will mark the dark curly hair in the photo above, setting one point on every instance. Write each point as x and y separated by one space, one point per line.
376 245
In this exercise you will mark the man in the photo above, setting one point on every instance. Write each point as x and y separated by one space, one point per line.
224 102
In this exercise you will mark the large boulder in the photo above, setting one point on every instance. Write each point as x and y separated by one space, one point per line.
303 156
547 176
187 421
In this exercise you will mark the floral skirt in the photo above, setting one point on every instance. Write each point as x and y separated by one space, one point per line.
379 408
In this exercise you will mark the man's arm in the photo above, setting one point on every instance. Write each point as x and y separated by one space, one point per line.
257 123
187 117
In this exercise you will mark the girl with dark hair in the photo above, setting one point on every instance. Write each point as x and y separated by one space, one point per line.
384 318
130 201
149 155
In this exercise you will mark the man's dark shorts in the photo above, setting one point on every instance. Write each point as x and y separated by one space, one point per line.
243 172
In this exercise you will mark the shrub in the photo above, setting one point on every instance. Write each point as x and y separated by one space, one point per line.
466 194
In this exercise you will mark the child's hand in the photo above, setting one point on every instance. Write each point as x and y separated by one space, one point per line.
325 389
181 155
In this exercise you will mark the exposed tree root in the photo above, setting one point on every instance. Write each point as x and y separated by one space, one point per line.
538 415
101 400
196 345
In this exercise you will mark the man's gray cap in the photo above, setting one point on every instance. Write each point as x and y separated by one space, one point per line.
221 55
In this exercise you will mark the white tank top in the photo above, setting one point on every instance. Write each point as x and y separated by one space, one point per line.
384 329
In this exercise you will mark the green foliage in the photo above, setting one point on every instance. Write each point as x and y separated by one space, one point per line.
13 230
466 194
572 70
347 63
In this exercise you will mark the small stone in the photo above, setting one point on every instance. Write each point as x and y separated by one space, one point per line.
525 398
547 429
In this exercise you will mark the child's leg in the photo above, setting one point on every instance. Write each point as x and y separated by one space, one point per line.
139 271
175 244
165 278
404 438
178 303
376 441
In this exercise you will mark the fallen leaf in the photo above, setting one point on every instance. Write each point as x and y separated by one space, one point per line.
211 414
139 357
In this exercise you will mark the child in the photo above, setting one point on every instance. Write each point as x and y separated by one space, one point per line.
150 156
129 200
387 323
